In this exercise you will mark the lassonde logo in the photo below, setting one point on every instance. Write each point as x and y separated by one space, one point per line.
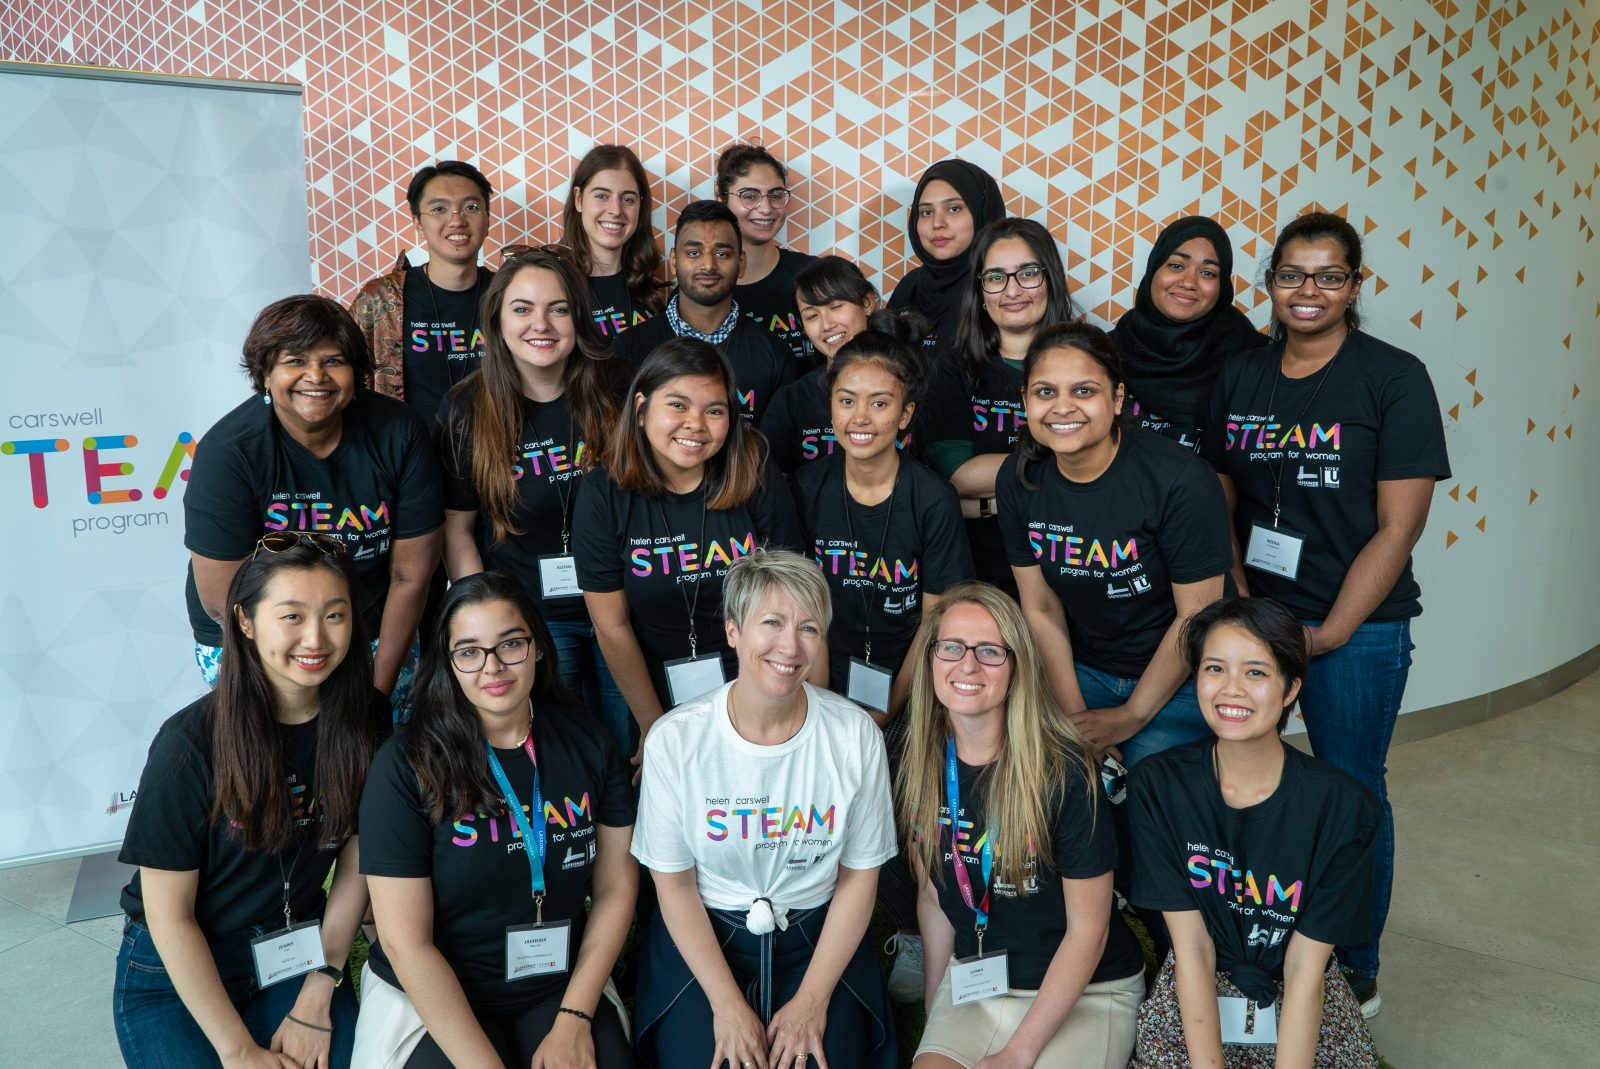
121 800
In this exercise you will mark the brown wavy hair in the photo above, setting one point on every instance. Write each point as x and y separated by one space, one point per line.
641 257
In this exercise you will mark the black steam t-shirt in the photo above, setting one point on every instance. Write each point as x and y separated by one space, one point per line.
1030 926
1185 433
614 310
1112 548
660 551
444 339
1328 439
250 476
799 423
481 880
548 466
1301 861
170 828
770 304
761 363
879 560
987 415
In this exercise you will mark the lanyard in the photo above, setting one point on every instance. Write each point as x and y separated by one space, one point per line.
433 303
689 606
883 545
288 921
963 881
530 837
1277 472
564 488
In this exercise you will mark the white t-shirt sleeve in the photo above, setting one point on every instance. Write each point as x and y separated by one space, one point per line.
658 840
869 839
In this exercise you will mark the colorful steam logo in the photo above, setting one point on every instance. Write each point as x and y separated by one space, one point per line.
95 471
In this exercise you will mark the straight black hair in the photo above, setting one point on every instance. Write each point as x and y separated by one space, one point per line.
445 169
1274 626
832 278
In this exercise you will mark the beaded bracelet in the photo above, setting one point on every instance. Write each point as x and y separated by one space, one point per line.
577 1013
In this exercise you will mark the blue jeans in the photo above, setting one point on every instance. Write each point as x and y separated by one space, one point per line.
584 671
1350 700
155 1029
1178 722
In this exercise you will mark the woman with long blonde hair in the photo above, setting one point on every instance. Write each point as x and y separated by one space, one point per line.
1000 804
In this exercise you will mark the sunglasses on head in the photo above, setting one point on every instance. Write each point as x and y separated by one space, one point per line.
284 541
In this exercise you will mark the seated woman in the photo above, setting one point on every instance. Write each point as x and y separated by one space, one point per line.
1019 870
498 785
1260 858
231 953
315 449
764 817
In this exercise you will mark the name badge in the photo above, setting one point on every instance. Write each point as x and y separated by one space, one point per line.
558 576
979 977
869 684
1275 550
1245 1022
287 953
537 949
690 677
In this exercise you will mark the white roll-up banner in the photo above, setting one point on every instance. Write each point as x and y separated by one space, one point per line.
146 222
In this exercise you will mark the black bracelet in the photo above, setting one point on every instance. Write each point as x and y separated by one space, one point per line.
577 1013
307 1024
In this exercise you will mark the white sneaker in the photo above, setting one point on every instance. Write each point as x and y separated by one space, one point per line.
905 980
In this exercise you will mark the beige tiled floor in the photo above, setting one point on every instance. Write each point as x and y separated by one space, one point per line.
1491 958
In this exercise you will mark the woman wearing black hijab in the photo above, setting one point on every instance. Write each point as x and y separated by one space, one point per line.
954 200
1181 327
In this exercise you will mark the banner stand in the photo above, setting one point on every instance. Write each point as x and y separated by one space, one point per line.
98 892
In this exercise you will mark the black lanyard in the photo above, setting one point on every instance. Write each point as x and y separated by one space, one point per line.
883 544
433 303
564 489
690 606
1277 472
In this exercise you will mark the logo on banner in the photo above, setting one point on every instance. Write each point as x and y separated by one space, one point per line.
103 479
121 800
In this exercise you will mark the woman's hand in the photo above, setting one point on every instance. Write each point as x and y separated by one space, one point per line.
568 1045
305 1047
1005 1059
259 1058
796 1031
1102 728
740 1040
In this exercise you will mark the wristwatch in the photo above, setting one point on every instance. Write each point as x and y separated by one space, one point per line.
333 973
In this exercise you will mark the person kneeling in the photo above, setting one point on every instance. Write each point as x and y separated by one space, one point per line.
1260 858
764 816
492 816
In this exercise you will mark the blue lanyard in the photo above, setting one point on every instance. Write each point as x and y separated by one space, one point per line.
529 837
963 881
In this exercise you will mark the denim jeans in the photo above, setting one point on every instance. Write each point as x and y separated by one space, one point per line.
1178 722
155 1029
1350 700
584 671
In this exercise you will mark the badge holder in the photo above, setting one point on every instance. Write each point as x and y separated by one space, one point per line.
691 677
869 684
1246 1022
558 576
537 949
981 976
293 950
1275 550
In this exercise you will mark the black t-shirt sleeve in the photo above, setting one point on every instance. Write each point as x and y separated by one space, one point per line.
168 828
596 540
1084 843
778 523
453 436
1157 883
396 835
1010 501
616 809
1213 438
1411 436
1195 540
946 558
220 517
420 510
1340 894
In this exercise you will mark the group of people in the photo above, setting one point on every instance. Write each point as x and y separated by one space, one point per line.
801 601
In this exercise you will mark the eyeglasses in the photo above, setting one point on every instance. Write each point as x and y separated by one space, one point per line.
1325 280
1028 276
751 197
948 649
284 541
470 210
473 658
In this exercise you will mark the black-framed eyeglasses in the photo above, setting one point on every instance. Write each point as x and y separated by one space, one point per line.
1324 280
470 210
1028 276
284 541
777 197
473 658
948 649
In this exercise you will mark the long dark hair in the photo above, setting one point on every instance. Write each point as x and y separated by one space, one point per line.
732 475
977 343
485 413
444 739
641 258
1315 226
242 724
1094 343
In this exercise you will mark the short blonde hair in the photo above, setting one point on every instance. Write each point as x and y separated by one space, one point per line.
752 576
